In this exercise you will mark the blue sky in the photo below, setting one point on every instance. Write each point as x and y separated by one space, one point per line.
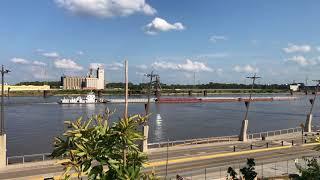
219 41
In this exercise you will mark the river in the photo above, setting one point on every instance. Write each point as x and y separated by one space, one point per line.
32 122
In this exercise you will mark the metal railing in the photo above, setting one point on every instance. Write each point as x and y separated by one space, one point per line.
274 133
264 169
194 141
28 158
223 138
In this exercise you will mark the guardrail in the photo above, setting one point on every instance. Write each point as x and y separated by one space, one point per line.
223 138
194 141
274 133
28 158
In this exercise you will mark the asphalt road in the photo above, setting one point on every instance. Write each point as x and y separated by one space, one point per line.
194 158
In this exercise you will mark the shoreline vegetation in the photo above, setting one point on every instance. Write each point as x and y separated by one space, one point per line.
166 90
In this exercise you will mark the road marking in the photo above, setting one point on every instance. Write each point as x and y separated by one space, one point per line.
189 159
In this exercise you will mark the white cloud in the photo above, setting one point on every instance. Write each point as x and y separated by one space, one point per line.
292 48
189 66
96 65
142 66
39 63
67 64
38 72
216 38
247 69
160 25
219 71
301 60
19 61
50 54
114 66
106 8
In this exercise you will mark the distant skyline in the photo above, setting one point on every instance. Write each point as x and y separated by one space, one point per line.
219 41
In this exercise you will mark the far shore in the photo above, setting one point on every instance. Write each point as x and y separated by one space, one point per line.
165 92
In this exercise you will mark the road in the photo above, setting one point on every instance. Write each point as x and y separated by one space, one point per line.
190 159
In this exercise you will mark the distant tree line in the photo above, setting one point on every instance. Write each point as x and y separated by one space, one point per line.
132 86
52 84
210 85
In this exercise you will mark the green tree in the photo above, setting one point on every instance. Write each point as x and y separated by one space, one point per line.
101 151
232 174
249 171
311 172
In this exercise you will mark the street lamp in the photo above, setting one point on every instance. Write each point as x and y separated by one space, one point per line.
3 72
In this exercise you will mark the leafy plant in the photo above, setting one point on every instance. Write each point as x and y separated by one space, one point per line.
249 171
311 172
232 174
102 151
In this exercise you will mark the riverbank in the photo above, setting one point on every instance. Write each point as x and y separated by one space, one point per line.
164 92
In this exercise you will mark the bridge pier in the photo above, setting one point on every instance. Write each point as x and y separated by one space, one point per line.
145 130
45 93
9 92
3 151
244 129
205 93
307 126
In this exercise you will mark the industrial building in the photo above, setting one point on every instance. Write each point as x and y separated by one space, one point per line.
91 81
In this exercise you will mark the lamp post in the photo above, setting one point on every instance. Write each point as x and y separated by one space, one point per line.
244 127
3 139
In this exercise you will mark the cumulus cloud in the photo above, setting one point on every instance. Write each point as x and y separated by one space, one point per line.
67 64
114 66
216 38
106 8
96 65
247 69
39 63
19 61
50 54
160 25
301 60
38 72
292 48
189 66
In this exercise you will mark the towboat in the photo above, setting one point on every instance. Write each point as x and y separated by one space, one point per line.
89 99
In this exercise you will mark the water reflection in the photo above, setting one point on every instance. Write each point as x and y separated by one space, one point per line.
158 129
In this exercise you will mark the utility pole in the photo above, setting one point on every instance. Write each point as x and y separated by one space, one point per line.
308 124
3 72
151 76
126 89
244 127
125 109
3 139
147 108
